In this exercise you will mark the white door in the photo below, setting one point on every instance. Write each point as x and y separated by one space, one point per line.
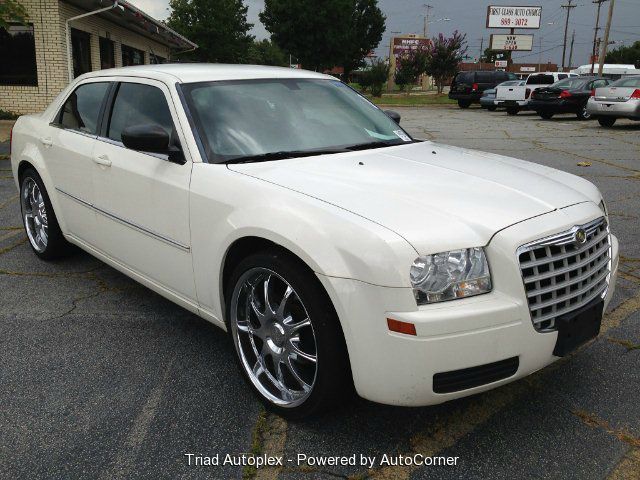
142 199
68 151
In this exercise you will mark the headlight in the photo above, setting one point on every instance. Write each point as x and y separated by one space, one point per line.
603 207
450 275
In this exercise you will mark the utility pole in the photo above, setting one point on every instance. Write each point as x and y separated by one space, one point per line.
481 51
605 41
540 53
573 37
595 34
566 26
426 19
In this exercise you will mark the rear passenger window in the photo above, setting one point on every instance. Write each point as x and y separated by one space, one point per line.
82 108
466 77
562 76
138 104
599 83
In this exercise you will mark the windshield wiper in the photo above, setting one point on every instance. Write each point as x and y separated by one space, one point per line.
376 144
281 155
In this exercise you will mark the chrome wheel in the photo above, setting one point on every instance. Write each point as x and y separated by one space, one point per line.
585 115
274 337
34 215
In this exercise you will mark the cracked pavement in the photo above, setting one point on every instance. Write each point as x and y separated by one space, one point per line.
103 378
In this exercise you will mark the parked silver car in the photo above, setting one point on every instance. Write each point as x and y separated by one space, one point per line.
620 99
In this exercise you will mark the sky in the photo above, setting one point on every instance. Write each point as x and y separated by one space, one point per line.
469 16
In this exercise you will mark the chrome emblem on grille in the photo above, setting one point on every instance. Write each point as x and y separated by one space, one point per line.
580 236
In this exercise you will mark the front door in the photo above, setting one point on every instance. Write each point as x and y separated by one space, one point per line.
142 199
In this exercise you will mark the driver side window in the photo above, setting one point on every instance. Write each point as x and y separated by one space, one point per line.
138 104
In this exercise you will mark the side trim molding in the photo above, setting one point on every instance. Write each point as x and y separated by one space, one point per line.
135 226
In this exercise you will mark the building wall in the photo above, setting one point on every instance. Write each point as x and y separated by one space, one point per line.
49 18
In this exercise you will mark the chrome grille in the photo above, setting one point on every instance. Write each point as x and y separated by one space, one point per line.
561 275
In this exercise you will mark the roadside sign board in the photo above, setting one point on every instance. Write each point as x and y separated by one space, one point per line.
511 42
406 45
499 16
527 69
501 63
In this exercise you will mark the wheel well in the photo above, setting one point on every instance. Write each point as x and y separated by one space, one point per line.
22 167
244 247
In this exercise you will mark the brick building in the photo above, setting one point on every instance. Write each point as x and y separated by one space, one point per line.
66 38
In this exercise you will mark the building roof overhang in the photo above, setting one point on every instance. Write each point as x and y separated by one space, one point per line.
132 18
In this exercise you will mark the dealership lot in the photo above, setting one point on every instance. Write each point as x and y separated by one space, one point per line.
103 378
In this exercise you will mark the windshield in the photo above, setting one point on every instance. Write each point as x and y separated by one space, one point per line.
627 82
272 117
570 83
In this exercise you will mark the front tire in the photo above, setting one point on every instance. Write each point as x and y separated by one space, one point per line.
464 103
583 114
512 110
606 122
286 335
39 219
546 115
492 108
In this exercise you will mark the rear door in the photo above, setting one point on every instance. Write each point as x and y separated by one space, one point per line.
463 82
142 199
68 148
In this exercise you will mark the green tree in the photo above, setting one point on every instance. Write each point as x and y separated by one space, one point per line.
324 33
12 11
219 27
490 56
625 55
406 73
266 52
362 34
444 55
376 76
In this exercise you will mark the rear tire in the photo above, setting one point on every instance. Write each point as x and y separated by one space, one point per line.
546 115
286 334
464 103
606 122
492 108
39 219
512 110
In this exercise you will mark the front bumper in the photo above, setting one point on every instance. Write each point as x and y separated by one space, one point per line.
629 109
399 369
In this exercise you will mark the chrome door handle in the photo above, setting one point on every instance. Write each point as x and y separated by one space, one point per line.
102 160
46 141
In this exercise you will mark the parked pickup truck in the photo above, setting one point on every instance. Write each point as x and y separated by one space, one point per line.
516 98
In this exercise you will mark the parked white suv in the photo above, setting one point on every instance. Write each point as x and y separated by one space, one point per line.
335 249
515 98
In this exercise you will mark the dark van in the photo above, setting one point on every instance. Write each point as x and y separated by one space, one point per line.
467 87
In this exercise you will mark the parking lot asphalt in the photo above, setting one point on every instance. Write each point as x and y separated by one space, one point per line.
102 378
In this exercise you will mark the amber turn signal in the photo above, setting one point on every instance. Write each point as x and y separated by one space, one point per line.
401 327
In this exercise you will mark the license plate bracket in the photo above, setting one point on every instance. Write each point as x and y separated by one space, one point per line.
578 327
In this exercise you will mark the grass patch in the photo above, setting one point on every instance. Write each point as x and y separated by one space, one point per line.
412 100
249 471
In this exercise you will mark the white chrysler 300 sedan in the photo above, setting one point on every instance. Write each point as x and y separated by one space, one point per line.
336 250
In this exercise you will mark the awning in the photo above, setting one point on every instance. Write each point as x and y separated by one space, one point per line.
134 19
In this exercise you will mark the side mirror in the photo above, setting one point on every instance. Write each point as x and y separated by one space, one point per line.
146 138
395 116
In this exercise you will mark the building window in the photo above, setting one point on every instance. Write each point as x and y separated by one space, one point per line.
107 56
157 58
80 51
132 56
18 55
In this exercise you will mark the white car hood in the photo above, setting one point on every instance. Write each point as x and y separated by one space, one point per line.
437 197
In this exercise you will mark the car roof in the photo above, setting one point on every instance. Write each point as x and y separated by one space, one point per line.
203 72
